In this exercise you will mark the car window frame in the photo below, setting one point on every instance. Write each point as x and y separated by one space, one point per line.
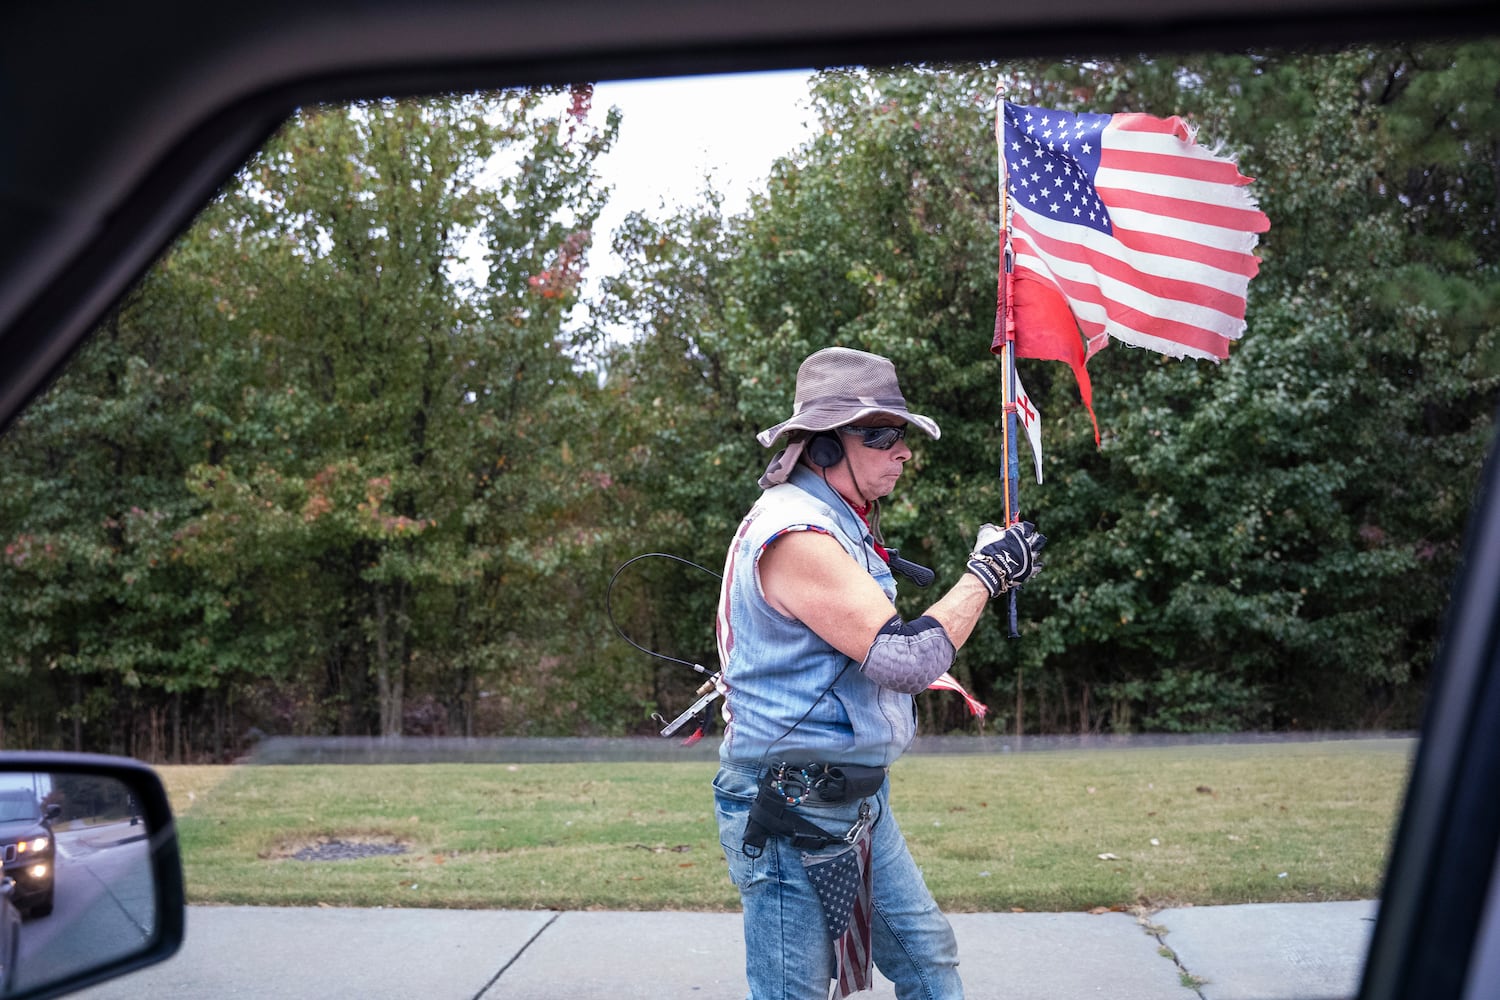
1444 852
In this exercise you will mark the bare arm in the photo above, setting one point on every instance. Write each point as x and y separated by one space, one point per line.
959 609
808 576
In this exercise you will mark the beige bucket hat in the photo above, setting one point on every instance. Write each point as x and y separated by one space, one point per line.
838 386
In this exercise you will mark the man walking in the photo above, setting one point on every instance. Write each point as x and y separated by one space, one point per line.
819 673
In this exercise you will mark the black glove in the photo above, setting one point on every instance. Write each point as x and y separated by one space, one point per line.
1006 557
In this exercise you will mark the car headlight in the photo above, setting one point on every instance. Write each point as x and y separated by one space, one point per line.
33 845
37 871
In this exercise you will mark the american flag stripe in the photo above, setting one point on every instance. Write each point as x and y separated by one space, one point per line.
1128 312
1146 235
1145 159
852 951
1169 277
1130 246
1230 260
1134 121
1178 208
1214 245
1173 135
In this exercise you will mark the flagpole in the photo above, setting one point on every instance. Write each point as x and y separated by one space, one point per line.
1012 455
1011 473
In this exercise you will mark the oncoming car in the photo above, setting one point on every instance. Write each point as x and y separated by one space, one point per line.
124 120
27 842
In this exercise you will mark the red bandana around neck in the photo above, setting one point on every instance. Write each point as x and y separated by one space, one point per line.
864 515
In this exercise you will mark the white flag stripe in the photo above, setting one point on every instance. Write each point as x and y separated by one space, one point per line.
1094 315
1218 237
1169 348
1132 296
1151 141
1156 264
1201 192
1168 144
1132 141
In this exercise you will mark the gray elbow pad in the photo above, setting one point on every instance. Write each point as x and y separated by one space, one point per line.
908 656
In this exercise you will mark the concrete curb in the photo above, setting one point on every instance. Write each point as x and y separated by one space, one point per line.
1306 951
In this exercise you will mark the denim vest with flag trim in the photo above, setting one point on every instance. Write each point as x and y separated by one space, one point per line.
777 670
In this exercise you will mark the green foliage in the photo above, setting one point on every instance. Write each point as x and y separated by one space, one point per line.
1263 544
312 456
320 473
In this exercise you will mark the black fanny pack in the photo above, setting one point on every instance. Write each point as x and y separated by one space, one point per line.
784 786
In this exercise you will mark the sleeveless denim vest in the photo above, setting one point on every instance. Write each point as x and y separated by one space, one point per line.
790 695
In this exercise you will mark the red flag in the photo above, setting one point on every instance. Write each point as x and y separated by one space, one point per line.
1124 227
1050 331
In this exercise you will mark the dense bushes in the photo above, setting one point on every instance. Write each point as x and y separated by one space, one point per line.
315 476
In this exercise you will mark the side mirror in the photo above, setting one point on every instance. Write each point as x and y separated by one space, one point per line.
92 883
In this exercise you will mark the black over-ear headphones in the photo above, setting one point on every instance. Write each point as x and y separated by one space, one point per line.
825 450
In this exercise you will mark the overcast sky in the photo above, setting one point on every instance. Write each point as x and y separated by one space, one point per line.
674 132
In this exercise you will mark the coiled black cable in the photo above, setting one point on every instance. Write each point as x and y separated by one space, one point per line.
609 609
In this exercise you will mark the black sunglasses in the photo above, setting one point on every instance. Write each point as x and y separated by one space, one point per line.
879 438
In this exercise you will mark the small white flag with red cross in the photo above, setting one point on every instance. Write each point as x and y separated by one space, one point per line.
1031 419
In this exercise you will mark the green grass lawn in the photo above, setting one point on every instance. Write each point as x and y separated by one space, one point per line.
1062 830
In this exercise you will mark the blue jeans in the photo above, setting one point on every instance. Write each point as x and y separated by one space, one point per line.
788 955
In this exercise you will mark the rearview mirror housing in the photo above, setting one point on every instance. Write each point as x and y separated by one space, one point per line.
93 873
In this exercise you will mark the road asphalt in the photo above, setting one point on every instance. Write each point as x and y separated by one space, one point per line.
1266 951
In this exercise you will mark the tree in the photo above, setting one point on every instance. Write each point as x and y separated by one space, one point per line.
311 410
414 386
316 475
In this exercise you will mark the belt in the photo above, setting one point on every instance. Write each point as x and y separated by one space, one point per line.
784 786
824 782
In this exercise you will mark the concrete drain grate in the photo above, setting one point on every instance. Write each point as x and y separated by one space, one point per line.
344 850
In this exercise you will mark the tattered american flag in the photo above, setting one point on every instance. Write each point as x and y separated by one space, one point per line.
1126 223
843 884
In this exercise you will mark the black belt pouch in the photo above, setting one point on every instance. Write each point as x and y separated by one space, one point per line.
846 782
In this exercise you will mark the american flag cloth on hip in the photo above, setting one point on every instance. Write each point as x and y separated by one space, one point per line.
843 883
1126 223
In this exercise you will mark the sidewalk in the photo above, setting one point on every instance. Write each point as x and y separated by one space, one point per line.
1274 951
